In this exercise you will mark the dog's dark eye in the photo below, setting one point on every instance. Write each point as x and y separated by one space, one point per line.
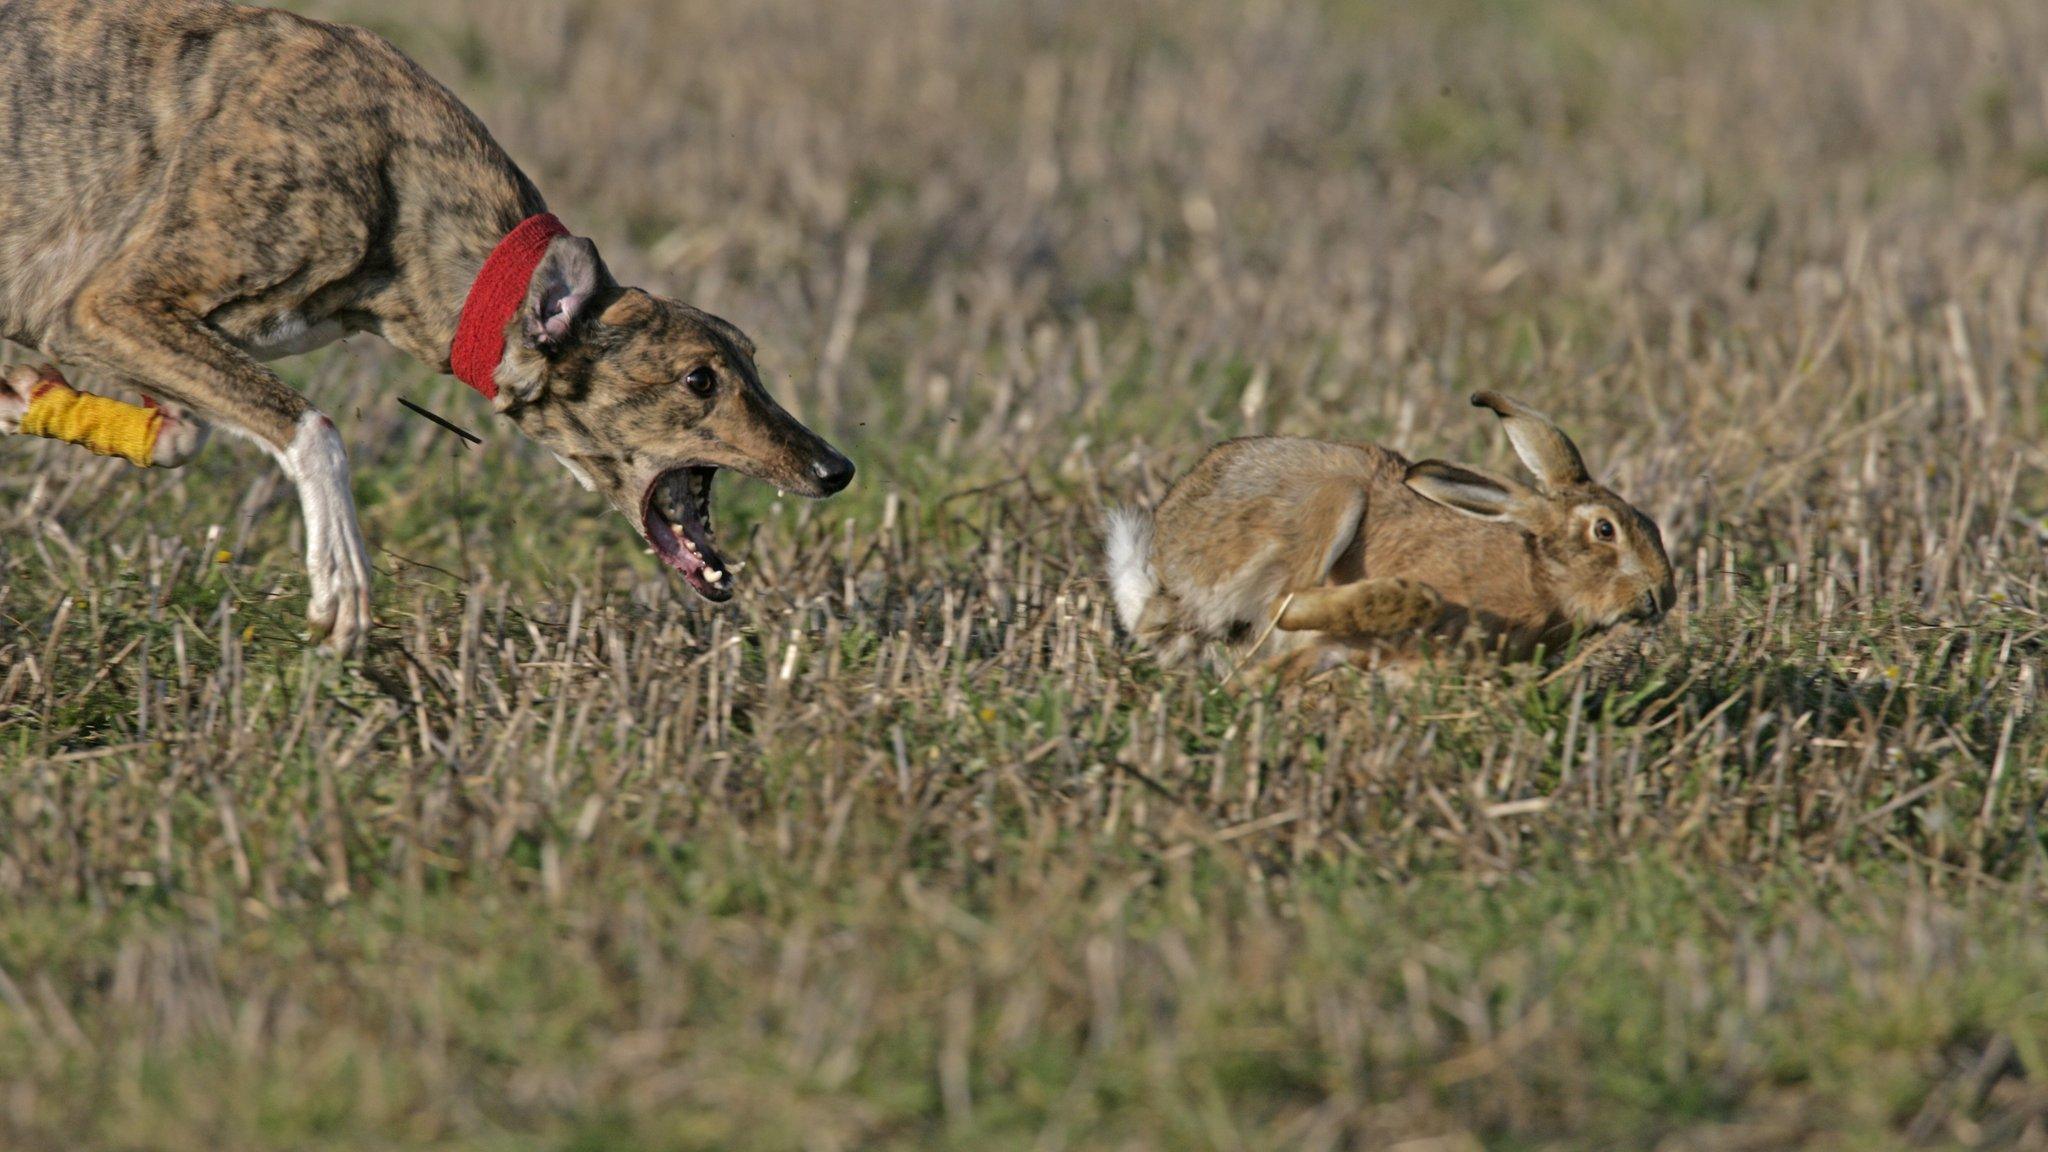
1603 529
700 381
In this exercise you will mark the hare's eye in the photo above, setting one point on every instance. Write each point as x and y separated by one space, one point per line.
1603 529
700 381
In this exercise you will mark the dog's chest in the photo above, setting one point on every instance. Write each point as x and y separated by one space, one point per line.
287 334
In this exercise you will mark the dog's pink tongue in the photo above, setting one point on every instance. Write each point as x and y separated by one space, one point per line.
670 545
689 562
686 546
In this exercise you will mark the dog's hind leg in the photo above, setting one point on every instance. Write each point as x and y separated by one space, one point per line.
182 436
40 402
181 433
139 335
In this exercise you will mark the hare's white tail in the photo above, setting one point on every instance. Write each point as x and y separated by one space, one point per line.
1130 564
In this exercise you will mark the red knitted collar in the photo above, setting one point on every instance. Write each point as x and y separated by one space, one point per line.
499 290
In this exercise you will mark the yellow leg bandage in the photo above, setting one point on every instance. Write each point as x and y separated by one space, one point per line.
108 427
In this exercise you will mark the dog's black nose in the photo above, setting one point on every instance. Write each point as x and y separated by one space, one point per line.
834 472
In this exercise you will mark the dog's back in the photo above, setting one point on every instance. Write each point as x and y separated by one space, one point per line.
308 147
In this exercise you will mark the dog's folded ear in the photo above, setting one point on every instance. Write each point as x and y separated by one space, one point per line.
563 284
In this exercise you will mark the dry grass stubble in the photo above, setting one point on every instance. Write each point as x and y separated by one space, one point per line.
902 849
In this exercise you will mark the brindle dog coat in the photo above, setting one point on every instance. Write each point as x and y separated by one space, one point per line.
189 188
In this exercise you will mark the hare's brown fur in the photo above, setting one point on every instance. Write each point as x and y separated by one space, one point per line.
1350 552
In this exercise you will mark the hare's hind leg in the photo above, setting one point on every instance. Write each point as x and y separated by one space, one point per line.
1351 624
1382 608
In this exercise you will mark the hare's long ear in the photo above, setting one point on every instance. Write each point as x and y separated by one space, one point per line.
1474 493
1547 452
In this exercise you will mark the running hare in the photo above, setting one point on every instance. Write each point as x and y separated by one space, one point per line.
1353 554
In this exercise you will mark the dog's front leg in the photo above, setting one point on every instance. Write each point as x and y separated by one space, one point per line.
140 338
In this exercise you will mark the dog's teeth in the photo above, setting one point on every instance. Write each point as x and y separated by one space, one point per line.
714 575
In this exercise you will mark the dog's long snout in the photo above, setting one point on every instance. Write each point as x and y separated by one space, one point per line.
769 443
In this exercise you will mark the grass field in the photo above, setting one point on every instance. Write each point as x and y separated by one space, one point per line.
904 848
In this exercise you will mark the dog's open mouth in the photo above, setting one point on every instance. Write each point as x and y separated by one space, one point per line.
675 516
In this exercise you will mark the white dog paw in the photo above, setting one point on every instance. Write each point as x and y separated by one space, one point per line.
339 618
338 615
337 560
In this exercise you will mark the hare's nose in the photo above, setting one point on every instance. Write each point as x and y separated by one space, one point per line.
1649 607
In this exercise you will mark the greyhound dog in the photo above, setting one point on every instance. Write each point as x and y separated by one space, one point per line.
189 188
